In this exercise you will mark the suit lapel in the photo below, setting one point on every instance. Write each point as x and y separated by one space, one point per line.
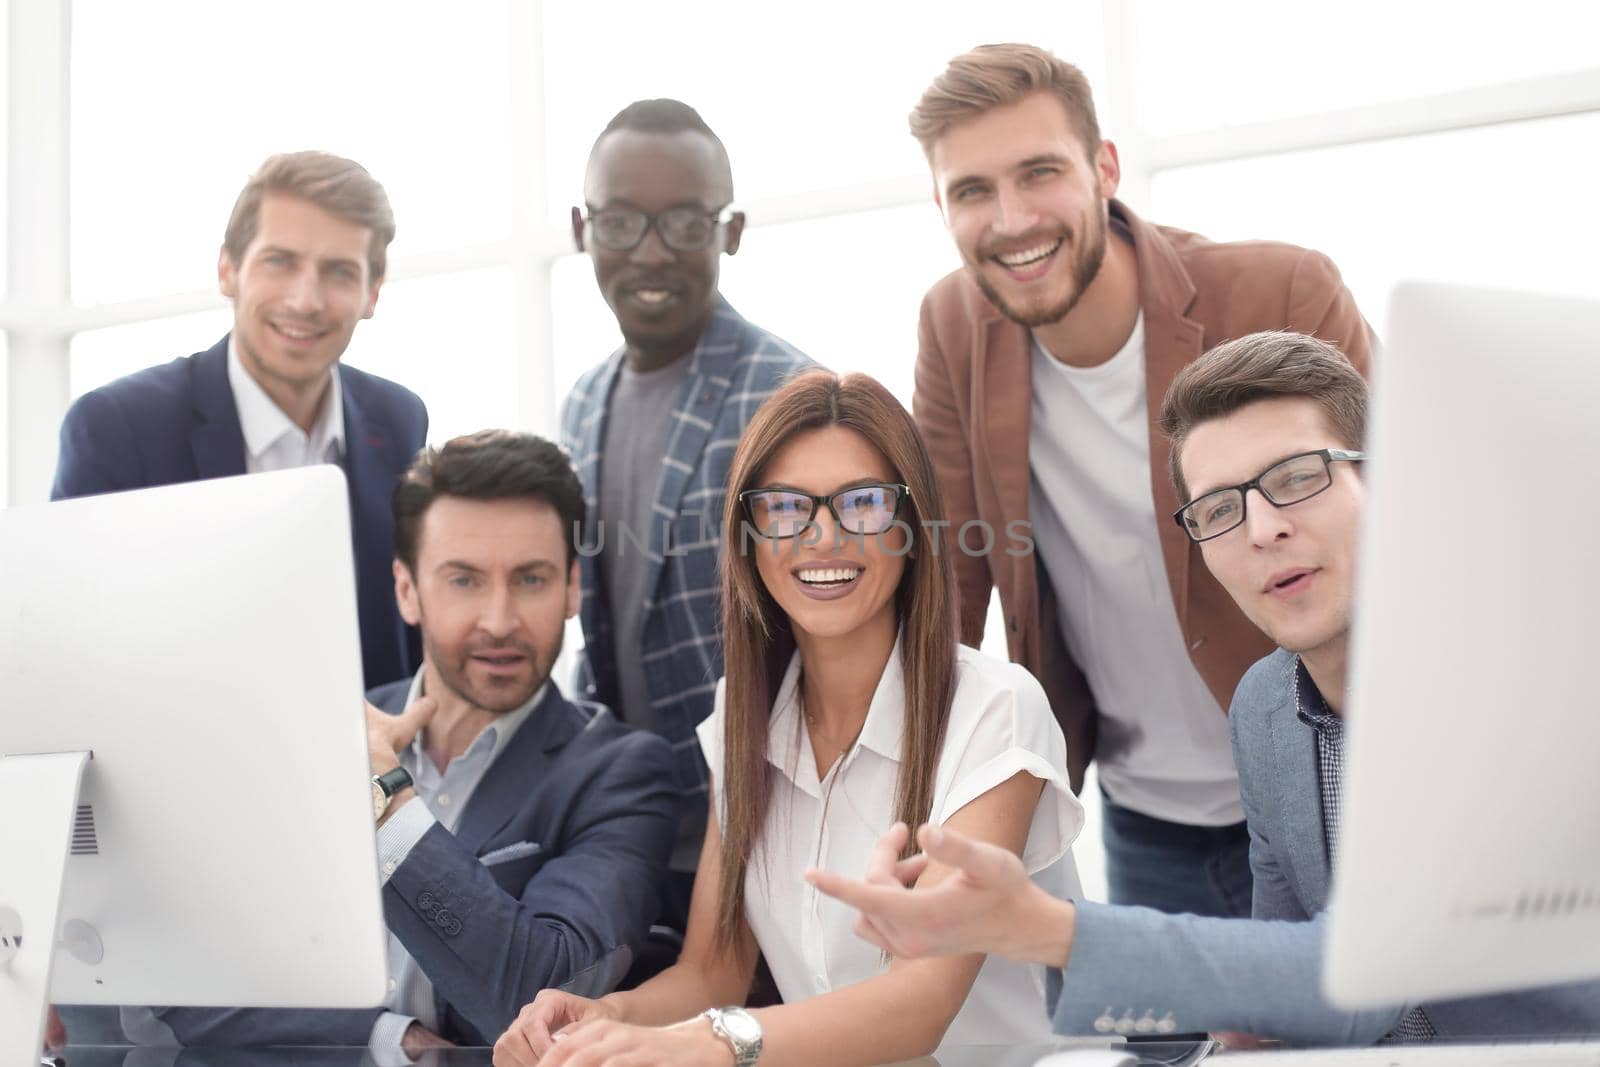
367 442
217 441
1171 342
587 447
1300 801
518 768
693 420
1003 365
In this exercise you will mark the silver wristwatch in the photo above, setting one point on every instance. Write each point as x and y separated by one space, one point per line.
740 1030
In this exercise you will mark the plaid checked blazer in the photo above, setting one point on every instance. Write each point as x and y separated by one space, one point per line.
734 368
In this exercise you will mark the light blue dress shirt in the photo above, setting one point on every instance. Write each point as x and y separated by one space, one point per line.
441 797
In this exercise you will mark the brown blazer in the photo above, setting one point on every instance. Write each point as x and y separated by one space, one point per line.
974 394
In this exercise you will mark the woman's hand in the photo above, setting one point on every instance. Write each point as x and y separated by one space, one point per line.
530 1037
608 1043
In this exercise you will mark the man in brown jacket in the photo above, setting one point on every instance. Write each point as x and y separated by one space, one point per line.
1040 372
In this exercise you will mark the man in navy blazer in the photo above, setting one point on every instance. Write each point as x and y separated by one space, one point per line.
522 837
1266 436
303 258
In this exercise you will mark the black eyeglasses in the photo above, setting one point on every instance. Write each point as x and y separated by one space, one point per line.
777 514
1286 482
682 229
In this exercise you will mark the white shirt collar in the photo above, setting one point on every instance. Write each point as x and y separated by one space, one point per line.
881 732
502 729
264 423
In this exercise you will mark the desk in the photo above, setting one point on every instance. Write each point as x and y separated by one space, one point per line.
1440 1055
121 1056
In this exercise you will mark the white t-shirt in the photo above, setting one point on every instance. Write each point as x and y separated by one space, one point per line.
1163 746
1000 723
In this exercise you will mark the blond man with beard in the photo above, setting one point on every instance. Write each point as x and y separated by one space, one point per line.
1040 367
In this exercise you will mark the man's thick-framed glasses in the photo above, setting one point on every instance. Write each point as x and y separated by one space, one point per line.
682 229
777 514
1286 482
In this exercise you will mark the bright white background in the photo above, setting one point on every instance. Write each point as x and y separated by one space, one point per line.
1403 138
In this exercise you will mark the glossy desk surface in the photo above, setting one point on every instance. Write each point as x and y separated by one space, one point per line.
1158 1053
1535 1054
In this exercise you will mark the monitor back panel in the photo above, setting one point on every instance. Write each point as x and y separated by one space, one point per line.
202 641
1470 851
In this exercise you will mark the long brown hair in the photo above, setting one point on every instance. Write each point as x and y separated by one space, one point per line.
756 639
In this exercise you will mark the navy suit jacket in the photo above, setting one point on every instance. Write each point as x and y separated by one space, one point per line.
551 879
1263 975
178 422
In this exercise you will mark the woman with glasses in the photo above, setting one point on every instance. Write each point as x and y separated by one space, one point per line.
847 705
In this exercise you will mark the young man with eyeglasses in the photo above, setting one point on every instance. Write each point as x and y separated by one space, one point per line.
653 428
1039 367
1266 435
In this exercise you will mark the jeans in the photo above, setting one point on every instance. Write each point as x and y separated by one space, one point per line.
1176 868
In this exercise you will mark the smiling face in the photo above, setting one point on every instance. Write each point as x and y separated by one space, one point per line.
492 592
298 290
1026 205
1291 570
663 298
828 582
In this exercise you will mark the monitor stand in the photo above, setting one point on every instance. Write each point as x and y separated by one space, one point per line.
38 801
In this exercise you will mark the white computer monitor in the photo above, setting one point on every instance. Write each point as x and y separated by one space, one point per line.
1469 860
201 641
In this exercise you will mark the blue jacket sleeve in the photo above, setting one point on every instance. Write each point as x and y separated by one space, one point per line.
243 1027
1208 974
97 451
487 950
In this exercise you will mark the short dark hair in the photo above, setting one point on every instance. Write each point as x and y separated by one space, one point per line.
1261 366
487 465
661 115
665 115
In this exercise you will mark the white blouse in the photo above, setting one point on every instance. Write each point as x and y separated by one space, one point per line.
1000 723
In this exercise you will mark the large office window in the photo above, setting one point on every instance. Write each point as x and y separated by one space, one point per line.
1497 206
812 110
1205 67
164 135
1415 139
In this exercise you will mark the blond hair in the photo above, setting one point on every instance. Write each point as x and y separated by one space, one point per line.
995 75
337 185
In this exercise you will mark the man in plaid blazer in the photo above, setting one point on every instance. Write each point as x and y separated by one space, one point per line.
652 431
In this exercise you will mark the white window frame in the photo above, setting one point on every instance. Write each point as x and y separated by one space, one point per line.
40 319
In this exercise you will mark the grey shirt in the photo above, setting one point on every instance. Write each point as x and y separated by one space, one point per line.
638 420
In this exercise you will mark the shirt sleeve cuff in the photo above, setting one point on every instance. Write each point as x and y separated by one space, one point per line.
400 834
387 1033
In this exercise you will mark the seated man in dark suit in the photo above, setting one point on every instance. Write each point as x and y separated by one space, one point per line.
1266 436
522 838
302 260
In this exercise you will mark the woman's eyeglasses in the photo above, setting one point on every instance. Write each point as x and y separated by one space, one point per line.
777 514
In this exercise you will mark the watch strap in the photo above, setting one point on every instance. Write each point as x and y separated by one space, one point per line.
392 781
746 1051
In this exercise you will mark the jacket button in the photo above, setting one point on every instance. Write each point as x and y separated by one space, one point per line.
1167 1024
1104 1023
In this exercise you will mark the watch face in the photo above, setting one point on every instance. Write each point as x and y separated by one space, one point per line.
380 801
742 1027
